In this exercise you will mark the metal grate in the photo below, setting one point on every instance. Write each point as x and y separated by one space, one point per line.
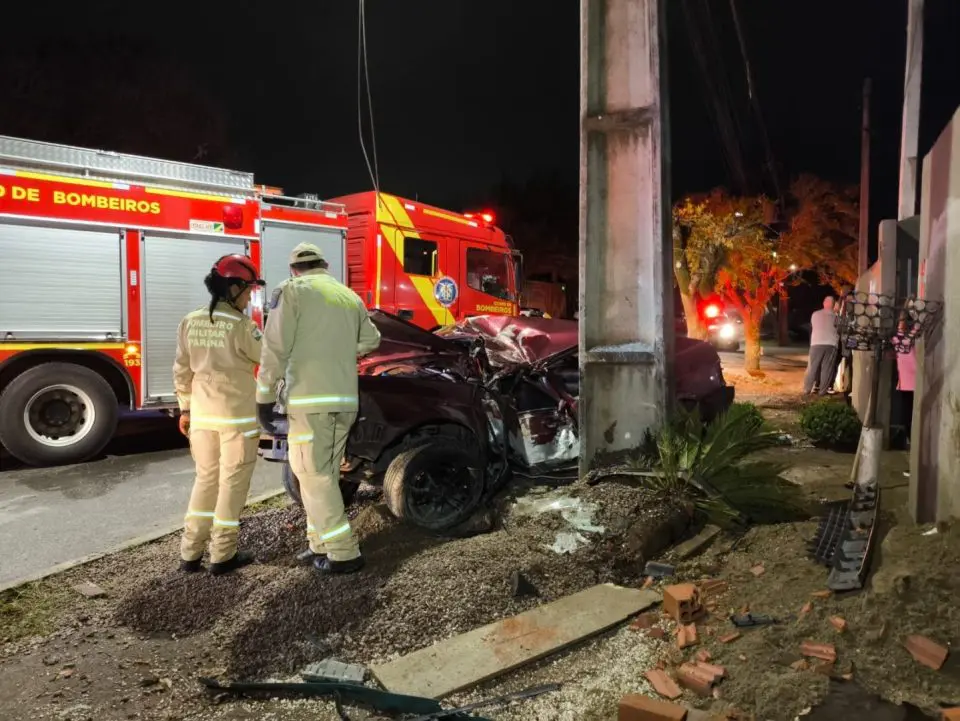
106 164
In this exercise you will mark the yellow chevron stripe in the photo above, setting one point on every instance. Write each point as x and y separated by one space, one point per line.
390 214
63 179
448 216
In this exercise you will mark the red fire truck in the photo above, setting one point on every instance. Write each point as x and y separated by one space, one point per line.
101 255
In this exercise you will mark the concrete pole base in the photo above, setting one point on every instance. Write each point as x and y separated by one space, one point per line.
868 460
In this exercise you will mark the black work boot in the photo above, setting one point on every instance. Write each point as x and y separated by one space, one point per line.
325 565
308 557
191 566
242 558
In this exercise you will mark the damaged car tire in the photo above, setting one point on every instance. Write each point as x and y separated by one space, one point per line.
436 486
291 484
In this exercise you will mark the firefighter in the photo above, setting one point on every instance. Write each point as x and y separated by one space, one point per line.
317 329
218 348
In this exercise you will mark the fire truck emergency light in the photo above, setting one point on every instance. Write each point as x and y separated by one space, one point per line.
711 311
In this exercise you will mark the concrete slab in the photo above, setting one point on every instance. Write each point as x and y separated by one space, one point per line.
470 658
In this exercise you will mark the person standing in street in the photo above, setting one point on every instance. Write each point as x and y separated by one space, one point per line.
316 330
218 348
824 341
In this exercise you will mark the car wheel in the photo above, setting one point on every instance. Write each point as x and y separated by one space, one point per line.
436 486
57 413
291 484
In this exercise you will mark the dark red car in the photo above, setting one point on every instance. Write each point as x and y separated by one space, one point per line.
444 417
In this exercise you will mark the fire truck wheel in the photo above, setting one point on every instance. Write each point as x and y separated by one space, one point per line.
436 486
57 413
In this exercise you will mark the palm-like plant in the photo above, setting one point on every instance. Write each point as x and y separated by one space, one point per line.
711 467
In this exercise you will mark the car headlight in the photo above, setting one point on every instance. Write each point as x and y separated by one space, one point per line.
727 331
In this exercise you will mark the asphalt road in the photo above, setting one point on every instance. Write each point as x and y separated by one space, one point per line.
52 516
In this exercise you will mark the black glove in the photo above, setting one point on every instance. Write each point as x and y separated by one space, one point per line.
267 418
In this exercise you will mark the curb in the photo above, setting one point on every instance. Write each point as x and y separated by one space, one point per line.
126 545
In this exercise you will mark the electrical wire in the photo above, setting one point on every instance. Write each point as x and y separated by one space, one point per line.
363 73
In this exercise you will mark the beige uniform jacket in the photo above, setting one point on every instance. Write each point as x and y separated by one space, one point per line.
313 336
213 373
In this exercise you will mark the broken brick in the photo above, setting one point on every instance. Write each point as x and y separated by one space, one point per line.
929 653
634 707
839 623
700 682
643 621
656 632
822 651
686 635
718 672
663 684
647 582
806 608
682 602
801 665
730 637
824 667
822 594
758 570
703 655
950 714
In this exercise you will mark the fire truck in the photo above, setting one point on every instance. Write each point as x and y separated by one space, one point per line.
103 253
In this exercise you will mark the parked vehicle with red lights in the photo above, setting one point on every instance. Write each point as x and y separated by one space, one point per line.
103 254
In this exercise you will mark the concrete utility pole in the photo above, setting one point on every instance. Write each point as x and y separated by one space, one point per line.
863 257
907 207
626 268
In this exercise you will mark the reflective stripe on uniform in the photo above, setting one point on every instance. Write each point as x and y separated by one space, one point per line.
200 514
221 314
320 400
311 528
252 434
263 389
222 421
345 528
300 438
226 524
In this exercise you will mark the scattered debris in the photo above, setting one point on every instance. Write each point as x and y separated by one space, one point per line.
758 570
713 588
801 665
663 684
656 632
822 651
730 637
822 594
703 655
495 701
659 570
635 707
521 586
686 635
951 714
697 544
89 590
330 670
748 620
696 679
839 623
575 511
643 622
682 602
925 651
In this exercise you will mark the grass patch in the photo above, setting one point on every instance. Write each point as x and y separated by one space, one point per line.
281 500
30 610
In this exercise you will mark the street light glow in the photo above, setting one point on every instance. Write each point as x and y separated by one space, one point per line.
793 267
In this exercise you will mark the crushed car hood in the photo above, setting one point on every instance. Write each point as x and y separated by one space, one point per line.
518 341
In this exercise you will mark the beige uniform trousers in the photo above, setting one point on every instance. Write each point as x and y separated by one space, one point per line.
225 461
316 443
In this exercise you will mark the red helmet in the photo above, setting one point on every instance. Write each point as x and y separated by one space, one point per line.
238 267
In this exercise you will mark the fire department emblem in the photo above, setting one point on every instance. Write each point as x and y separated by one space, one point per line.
445 291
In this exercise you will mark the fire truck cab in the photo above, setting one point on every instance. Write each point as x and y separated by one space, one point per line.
426 265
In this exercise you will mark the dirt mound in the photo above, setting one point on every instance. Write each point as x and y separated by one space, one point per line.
275 537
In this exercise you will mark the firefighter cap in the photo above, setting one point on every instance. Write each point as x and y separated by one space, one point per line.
305 253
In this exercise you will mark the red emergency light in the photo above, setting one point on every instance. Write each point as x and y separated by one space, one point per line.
233 216
486 216
711 311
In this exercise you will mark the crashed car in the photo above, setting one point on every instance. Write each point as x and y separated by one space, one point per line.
445 417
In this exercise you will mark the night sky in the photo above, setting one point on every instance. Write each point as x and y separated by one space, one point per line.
465 93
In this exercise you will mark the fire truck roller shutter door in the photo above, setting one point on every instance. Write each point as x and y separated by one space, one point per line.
34 301
173 270
278 239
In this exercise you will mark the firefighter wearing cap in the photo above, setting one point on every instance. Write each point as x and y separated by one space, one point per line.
316 330
218 348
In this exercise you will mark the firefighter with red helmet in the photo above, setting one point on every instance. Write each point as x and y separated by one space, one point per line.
218 349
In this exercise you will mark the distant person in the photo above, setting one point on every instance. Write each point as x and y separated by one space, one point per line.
824 340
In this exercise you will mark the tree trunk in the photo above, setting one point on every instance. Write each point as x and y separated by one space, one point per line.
695 329
751 351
